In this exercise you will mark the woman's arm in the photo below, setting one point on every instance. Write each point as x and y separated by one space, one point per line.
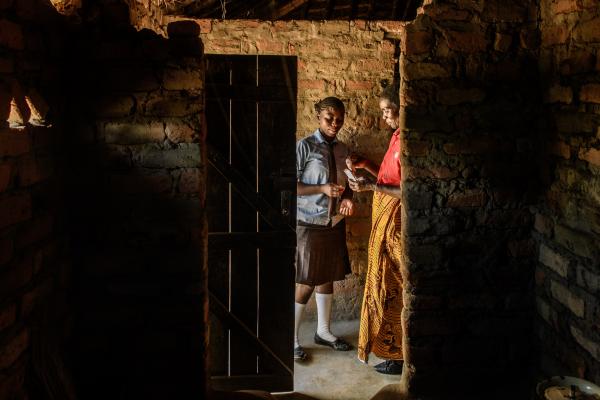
356 161
363 186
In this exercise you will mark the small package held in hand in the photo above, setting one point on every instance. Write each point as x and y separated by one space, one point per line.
351 176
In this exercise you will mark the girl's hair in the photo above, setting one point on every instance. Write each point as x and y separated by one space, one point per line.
390 93
329 102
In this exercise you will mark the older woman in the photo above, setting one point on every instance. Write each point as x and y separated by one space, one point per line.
321 254
380 324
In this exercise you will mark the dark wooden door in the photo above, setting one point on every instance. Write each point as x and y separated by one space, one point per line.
251 197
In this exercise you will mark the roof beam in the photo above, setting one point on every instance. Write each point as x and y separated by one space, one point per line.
353 9
330 5
371 11
288 8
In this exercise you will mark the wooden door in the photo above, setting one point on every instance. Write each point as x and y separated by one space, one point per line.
251 205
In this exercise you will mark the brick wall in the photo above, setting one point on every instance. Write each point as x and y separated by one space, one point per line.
567 227
470 108
34 266
335 58
135 186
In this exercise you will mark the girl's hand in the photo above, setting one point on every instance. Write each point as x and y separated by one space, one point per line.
333 189
346 207
354 161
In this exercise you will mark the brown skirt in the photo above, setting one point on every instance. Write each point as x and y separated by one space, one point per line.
321 254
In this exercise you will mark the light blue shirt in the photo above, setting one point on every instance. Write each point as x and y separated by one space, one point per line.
312 168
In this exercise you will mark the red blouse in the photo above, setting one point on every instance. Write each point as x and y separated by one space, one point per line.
390 170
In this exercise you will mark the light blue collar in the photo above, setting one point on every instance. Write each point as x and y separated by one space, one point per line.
321 139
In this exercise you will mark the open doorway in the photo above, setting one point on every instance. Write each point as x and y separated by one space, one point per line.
251 189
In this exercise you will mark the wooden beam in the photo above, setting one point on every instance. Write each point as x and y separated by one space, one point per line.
353 9
371 11
306 9
329 9
396 9
287 8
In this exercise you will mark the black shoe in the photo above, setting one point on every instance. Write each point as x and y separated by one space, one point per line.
389 367
299 354
339 344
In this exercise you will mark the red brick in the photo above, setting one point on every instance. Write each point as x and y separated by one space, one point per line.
456 96
391 26
8 315
32 170
34 231
560 149
501 10
592 156
543 225
11 35
521 248
182 79
416 148
559 94
467 42
5 175
360 24
588 31
13 350
14 143
223 44
133 183
444 12
311 84
205 25
189 182
138 132
180 132
590 93
566 6
359 85
476 146
502 42
443 173
411 172
14 209
555 35
417 42
470 198
269 46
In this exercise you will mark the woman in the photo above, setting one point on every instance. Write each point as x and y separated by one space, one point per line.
380 324
321 255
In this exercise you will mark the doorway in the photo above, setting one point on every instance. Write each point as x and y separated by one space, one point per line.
250 203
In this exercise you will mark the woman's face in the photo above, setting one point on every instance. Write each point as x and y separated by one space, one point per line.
390 113
331 121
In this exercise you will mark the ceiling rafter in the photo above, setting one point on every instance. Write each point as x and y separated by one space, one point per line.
288 8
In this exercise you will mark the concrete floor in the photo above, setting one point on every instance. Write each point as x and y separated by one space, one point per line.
337 375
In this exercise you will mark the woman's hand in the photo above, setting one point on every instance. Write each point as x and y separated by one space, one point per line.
332 189
346 207
361 185
354 161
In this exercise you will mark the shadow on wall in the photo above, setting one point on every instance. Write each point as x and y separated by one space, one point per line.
135 187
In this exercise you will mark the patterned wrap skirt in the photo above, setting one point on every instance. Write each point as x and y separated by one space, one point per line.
321 254
381 313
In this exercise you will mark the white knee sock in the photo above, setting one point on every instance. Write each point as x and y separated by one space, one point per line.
324 315
299 310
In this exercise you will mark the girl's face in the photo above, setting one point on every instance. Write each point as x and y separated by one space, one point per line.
390 113
331 121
